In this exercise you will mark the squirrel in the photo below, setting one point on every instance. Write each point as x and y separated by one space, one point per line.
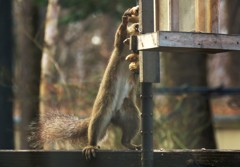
115 103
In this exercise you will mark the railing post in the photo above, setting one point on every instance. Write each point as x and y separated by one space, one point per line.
147 126
149 73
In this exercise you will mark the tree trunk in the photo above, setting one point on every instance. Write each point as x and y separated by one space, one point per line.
47 92
189 121
6 96
27 66
75 55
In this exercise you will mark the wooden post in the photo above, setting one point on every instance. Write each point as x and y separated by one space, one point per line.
149 60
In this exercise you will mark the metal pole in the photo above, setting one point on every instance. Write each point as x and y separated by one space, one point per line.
6 94
149 73
147 127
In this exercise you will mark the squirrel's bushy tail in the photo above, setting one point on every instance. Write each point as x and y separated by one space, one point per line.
58 128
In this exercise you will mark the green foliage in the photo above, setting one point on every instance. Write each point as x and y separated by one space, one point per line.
41 2
80 9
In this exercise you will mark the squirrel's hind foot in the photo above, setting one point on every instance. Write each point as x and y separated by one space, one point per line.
90 152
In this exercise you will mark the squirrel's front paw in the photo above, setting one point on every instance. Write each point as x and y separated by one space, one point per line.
134 17
90 152
134 62
133 29
134 67
132 14
133 57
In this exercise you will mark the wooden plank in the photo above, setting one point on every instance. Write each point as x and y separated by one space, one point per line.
164 12
227 122
201 16
222 17
187 15
214 15
170 158
174 15
167 41
156 6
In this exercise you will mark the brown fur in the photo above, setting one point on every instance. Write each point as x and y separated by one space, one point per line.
56 130
110 105
115 103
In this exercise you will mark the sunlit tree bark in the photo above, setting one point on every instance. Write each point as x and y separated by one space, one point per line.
48 65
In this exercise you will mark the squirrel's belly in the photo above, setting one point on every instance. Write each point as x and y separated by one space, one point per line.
123 86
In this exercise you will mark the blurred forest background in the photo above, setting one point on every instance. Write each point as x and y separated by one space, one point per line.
53 54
